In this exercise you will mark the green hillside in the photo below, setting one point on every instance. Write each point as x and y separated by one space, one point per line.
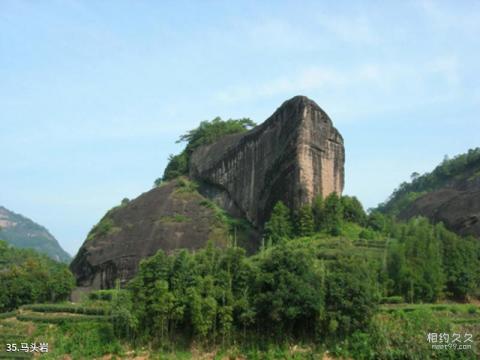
24 233
459 170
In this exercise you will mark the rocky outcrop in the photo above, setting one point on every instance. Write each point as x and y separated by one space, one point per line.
168 217
293 156
456 205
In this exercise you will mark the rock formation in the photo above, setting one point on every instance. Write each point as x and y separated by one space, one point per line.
168 217
293 156
456 205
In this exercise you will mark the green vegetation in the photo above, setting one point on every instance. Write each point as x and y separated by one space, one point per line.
27 277
27 234
462 167
329 278
206 133
105 227
279 226
220 296
177 218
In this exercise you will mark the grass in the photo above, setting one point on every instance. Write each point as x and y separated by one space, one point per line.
105 227
449 307
57 318
176 218
7 314
185 185
66 308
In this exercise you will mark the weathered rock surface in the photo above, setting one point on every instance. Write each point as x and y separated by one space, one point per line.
293 156
168 217
456 205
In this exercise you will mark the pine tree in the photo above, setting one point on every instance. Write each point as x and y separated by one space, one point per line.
305 221
279 226
318 211
333 214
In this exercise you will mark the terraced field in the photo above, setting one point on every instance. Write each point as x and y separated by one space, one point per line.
23 326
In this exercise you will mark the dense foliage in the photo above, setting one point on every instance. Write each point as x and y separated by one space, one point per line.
219 295
317 280
206 133
461 167
422 262
27 277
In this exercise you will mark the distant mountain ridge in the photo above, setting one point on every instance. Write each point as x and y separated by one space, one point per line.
22 232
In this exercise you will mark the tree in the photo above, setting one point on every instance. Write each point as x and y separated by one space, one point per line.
279 226
206 133
27 277
353 210
351 295
318 212
333 214
121 312
177 166
414 263
376 220
288 295
305 225
460 263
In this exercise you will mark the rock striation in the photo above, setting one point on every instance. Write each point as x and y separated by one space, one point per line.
295 155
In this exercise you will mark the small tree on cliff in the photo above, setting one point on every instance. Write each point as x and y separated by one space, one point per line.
280 224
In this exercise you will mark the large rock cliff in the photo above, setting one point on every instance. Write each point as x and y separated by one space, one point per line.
295 155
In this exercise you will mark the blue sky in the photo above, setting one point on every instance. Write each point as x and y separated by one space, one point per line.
93 94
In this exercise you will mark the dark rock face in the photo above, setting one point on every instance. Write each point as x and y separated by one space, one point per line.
293 156
167 217
456 205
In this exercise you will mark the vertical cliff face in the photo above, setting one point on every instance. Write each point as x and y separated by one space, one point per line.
293 156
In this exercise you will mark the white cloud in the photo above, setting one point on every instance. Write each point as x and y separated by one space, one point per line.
366 88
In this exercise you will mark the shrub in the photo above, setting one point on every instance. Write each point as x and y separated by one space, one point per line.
101 295
392 300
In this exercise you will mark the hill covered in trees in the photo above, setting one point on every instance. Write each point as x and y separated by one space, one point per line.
449 194
22 232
